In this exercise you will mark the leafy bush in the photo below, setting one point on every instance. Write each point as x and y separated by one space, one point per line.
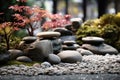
107 27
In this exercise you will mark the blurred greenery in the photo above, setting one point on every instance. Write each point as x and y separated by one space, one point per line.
107 27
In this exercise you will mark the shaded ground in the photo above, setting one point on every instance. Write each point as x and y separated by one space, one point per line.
63 77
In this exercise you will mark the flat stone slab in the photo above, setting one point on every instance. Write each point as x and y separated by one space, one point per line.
48 34
93 40
29 39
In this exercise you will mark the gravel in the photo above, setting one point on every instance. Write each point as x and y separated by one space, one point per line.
91 64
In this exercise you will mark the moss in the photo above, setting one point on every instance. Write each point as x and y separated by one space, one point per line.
14 62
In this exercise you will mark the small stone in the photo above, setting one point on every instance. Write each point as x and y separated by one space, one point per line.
14 53
63 31
29 39
23 59
36 65
84 52
45 65
54 59
69 43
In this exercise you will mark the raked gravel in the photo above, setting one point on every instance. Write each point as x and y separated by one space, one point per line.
93 64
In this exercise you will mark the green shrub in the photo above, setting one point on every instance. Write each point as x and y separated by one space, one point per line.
106 27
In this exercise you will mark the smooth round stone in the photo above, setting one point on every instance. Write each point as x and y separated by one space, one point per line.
93 40
66 47
69 42
36 65
76 45
54 59
84 52
14 53
63 31
100 49
29 39
23 59
70 56
45 65
48 34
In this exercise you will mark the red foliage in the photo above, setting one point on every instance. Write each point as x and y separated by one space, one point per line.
56 21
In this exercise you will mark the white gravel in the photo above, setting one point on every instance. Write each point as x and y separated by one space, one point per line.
92 64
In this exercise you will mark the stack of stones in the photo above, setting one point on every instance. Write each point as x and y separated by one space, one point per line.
67 38
69 45
97 46
54 38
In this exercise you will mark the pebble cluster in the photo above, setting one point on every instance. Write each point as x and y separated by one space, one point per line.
93 64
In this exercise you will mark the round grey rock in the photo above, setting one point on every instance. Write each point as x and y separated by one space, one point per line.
45 65
23 59
70 56
84 52
54 59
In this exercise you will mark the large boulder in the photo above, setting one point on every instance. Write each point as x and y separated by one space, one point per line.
70 56
101 49
39 50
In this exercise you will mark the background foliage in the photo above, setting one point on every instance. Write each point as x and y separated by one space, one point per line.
107 27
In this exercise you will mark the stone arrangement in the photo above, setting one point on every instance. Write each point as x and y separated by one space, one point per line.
92 64
60 54
97 46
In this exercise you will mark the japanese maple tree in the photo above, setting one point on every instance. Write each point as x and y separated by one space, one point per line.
25 16
56 20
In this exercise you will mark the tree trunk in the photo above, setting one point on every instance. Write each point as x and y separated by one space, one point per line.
117 5
55 6
84 9
102 6
66 7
